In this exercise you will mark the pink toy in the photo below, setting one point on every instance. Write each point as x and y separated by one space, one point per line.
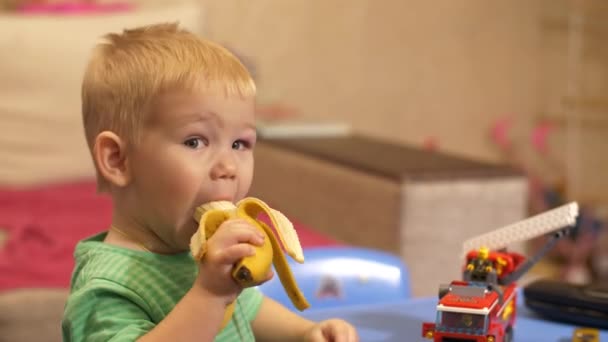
540 135
431 144
74 8
500 133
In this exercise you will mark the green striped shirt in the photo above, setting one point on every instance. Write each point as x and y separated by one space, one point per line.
119 294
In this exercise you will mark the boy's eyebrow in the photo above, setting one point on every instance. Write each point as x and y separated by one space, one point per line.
207 116
190 118
199 117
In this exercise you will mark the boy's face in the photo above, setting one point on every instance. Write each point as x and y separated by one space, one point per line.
193 149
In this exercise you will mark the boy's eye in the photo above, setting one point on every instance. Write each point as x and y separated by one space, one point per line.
194 143
240 144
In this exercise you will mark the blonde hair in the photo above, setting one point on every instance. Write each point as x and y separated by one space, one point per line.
129 70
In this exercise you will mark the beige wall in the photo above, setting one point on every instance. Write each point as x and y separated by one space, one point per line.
399 70
42 59
402 70
581 73
408 70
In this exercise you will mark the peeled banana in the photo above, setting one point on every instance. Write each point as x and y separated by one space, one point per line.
253 270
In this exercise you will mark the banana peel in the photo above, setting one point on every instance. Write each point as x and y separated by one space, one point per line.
253 270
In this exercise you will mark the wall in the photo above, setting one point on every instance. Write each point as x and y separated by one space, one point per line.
42 59
412 70
575 93
401 70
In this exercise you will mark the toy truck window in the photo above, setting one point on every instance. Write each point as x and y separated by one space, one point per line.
460 321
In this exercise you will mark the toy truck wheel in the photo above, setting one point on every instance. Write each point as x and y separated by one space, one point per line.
509 334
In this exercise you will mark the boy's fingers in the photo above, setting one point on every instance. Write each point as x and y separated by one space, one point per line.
238 222
234 221
246 233
317 336
234 253
269 275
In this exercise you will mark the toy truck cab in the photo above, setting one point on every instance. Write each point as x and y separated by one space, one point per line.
472 312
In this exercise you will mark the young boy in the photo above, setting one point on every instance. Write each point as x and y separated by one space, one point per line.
169 119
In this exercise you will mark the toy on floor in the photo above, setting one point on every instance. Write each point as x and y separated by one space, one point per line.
586 335
253 270
482 306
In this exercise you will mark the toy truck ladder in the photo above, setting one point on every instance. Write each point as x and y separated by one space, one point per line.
557 222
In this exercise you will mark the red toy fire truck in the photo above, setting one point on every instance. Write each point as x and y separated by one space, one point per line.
483 306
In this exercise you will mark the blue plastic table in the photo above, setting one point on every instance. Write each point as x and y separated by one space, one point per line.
402 322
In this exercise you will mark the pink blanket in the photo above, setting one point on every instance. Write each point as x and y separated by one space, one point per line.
44 224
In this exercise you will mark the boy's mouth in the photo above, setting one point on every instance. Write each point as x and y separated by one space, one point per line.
222 198
215 199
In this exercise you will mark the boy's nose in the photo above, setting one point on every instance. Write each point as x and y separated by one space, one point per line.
224 168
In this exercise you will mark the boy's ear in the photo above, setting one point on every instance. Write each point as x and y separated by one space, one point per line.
110 154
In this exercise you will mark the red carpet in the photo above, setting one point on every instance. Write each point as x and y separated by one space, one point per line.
44 224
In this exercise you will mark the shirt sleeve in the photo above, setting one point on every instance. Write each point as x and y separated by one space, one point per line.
251 301
104 311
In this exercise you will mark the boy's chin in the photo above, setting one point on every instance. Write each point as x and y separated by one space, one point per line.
191 227
185 235
186 230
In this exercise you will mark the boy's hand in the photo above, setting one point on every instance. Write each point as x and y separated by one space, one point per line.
231 242
332 330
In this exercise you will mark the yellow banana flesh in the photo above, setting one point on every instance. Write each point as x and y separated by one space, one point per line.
253 270
210 217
